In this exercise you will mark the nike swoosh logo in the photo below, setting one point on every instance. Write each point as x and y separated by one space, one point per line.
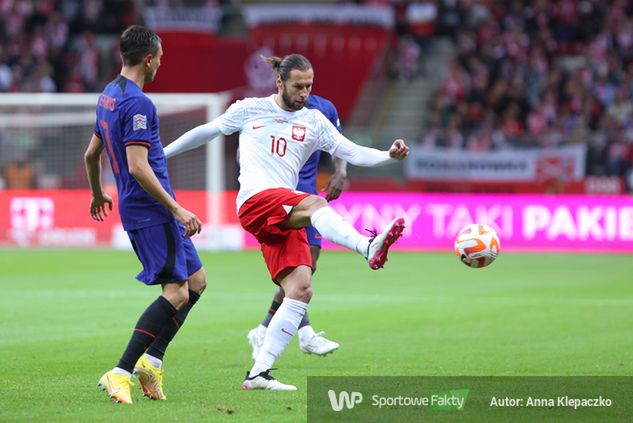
257 126
113 391
286 332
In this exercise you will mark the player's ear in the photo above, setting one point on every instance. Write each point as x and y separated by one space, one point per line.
278 81
148 60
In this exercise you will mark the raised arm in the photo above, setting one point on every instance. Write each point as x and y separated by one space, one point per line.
194 138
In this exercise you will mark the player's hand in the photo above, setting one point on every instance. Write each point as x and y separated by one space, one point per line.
335 185
98 209
190 221
398 150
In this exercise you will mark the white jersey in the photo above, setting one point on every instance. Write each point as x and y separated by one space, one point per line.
274 143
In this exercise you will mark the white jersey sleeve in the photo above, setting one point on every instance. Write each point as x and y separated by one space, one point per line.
359 155
233 119
193 138
329 137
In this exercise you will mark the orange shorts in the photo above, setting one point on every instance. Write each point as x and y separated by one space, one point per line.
282 248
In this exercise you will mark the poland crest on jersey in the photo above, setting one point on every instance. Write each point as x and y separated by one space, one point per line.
298 133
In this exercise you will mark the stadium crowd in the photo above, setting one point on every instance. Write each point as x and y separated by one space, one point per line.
527 73
49 46
539 73
53 45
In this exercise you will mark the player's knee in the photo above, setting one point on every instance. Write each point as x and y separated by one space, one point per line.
300 292
178 297
304 294
198 282
200 286
183 299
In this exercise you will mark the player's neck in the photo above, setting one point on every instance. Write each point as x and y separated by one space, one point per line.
134 74
281 104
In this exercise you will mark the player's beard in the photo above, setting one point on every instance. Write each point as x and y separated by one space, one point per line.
289 103
149 77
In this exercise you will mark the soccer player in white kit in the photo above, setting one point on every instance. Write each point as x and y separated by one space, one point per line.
277 135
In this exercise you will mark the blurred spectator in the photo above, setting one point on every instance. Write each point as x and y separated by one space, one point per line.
527 73
40 40
409 58
550 73
86 62
19 174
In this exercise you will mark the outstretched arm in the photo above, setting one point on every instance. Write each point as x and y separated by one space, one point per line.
370 157
194 138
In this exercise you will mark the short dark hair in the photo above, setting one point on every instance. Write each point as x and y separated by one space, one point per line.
291 62
136 43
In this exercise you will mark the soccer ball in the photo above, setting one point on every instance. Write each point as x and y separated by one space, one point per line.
477 245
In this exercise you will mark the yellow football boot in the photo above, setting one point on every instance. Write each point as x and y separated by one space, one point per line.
117 387
151 379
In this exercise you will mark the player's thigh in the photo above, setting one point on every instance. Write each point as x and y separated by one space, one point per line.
197 276
300 214
263 214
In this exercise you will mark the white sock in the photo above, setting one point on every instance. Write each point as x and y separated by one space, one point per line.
119 371
156 362
261 330
305 334
280 331
332 227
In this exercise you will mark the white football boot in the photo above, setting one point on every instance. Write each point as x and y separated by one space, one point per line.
256 339
319 345
265 381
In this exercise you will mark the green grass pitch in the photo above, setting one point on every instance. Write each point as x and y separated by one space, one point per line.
67 315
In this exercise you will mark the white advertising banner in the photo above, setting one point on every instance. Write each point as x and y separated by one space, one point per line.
267 14
198 19
567 163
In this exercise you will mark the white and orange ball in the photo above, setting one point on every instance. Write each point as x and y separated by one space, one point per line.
477 245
